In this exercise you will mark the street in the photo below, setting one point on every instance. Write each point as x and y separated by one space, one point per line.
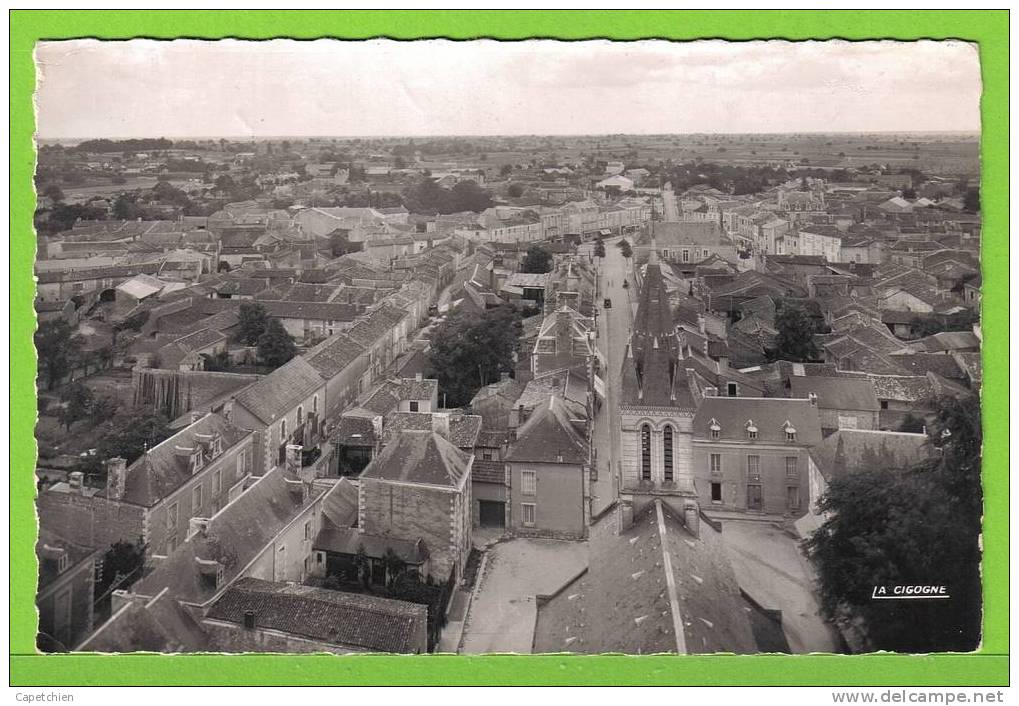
613 335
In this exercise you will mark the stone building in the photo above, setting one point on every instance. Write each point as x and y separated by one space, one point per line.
657 404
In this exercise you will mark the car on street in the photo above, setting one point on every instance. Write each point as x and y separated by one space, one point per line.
607 304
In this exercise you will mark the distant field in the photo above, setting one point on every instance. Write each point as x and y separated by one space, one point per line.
73 193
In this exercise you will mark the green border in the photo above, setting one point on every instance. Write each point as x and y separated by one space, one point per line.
987 667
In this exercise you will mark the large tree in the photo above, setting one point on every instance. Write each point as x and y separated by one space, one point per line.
915 526
78 401
470 350
58 348
795 339
536 261
275 345
253 322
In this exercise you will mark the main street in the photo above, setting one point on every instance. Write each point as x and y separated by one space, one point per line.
613 334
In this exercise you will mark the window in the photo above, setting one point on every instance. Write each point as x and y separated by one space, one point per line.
528 482
732 389
754 467
686 255
307 529
196 498
715 429
283 431
716 492
751 430
667 453
792 497
527 510
791 471
217 482
413 405
300 416
884 404
716 464
486 455
197 461
645 452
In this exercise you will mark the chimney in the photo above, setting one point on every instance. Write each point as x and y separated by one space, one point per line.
692 518
418 376
228 409
702 323
504 376
298 489
74 480
625 510
440 425
249 620
198 525
293 458
196 416
116 478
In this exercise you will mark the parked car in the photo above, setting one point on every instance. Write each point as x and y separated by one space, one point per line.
607 304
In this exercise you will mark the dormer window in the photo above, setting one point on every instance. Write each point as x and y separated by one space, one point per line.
216 447
197 460
790 432
715 428
751 430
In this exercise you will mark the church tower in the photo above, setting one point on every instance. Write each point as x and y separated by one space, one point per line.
657 404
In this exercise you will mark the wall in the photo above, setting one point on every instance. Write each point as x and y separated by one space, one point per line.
734 477
630 453
79 581
94 521
560 499
837 419
410 512
295 540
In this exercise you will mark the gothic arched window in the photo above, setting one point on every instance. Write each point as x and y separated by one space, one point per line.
645 452
667 452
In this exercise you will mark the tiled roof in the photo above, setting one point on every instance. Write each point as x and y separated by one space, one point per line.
837 393
420 457
333 355
622 603
348 540
769 415
851 450
163 469
548 436
922 363
235 536
488 471
463 428
354 430
359 621
281 390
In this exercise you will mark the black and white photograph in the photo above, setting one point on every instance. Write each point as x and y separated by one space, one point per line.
526 347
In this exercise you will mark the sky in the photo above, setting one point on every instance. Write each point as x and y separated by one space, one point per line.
230 88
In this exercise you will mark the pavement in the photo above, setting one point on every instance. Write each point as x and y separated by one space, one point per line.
770 568
502 614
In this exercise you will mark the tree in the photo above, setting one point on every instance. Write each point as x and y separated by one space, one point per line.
795 339
275 345
53 192
123 560
971 200
223 266
599 248
625 248
914 526
57 346
468 196
515 190
102 408
253 322
469 350
506 170
536 261
78 404
134 439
